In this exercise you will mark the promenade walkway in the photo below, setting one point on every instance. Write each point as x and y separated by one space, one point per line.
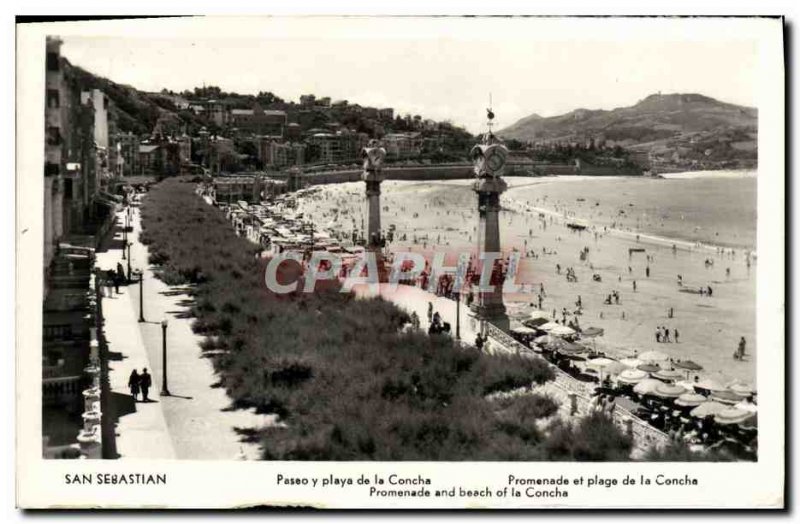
197 420
141 429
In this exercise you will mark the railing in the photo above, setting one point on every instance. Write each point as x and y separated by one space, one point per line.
56 388
644 435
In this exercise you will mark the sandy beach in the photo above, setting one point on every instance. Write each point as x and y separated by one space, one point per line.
430 216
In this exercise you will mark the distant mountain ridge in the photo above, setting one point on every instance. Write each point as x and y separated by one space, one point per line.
678 128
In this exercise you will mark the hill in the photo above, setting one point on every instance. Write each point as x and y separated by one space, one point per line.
677 129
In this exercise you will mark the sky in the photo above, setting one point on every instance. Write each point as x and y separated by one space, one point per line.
440 68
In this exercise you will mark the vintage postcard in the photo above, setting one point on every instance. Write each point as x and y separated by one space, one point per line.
401 262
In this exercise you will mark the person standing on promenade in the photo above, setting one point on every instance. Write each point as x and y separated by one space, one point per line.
479 342
430 312
133 384
676 335
634 286
741 350
145 381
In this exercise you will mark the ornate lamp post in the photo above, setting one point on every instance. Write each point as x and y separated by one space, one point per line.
373 156
164 389
489 158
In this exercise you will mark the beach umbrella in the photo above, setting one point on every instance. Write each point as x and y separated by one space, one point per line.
631 362
538 314
689 365
605 366
726 397
523 330
549 326
592 332
710 385
750 423
647 386
653 356
664 390
667 374
544 339
732 416
562 331
743 390
565 346
689 399
631 376
649 368
708 408
534 322
746 406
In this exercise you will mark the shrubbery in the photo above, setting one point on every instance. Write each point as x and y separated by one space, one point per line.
348 384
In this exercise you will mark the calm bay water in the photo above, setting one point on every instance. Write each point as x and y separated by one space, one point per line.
710 207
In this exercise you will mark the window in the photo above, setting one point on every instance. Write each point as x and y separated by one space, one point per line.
53 99
68 188
105 102
51 169
53 136
52 62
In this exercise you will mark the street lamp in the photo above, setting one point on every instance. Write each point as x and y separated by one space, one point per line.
125 237
140 273
164 390
128 247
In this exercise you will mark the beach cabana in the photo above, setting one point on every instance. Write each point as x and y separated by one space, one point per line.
690 400
649 368
708 408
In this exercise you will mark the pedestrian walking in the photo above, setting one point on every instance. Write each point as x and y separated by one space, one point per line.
676 334
647 271
479 342
430 312
133 384
634 286
111 277
145 381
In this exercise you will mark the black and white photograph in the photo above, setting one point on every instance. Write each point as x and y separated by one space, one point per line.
546 253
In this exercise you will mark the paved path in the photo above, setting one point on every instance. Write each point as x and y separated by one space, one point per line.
141 430
197 420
